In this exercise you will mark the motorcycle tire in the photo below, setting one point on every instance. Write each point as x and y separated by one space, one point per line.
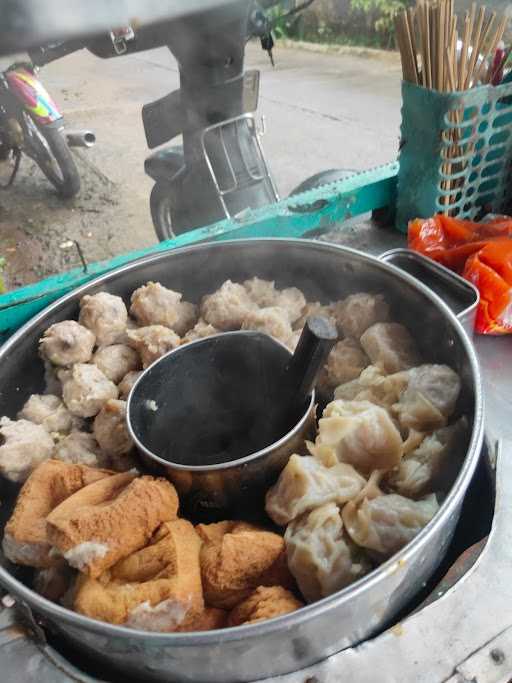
51 153
161 212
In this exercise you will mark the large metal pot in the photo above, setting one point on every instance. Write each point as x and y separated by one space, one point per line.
324 272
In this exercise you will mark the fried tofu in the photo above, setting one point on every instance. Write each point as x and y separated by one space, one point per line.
25 539
266 602
107 521
157 588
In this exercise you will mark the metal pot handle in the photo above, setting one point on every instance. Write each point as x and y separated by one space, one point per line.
459 294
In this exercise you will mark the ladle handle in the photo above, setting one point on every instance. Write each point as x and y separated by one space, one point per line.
316 341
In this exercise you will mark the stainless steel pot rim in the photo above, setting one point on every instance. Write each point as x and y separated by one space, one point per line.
395 563
221 466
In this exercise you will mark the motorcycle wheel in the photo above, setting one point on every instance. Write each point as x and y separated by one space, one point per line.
48 147
161 212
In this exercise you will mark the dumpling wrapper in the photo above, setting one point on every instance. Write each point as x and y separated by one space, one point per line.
386 523
306 483
361 434
433 464
320 555
430 397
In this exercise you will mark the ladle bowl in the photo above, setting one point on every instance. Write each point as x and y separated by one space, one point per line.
213 416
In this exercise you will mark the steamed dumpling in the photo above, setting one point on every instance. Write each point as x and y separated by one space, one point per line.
361 434
433 464
374 386
430 397
320 555
345 362
355 314
390 347
306 483
387 523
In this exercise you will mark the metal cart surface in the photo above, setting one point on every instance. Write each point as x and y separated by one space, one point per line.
463 633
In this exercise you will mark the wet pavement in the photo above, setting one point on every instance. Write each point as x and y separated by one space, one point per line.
321 111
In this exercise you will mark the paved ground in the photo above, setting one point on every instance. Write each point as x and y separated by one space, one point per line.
322 111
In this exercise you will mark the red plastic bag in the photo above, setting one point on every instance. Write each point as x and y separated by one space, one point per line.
482 253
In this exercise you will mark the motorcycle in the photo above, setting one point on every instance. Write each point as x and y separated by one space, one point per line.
220 159
31 124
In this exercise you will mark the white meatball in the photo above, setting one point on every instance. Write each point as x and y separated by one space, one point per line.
345 362
86 389
201 330
81 448
262 292
227 308
110 429
49 412
106 315
293 301
116 361
355 314
154 304
25 445
66 343
152 342
126 384
273 321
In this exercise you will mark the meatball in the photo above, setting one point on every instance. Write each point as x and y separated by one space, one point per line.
86 389
355 314
273 321
116 361
154 304
199 331
152 342
126 384
110 429
81 448
345 362
293 301
49 412
227 308
67 343
104 314
262 292
24 446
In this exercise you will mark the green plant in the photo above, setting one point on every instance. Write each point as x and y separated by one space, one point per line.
382 13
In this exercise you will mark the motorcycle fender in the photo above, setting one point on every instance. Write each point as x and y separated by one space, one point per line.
32 94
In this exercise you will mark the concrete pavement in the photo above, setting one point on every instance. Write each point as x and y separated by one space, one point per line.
321 111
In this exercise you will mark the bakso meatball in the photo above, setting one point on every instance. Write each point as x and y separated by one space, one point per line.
293 301
201 330
227 308
86 389
110 429
126 384
116 361
81 448
152 342
262 292
106 315
355 314
24 446
66 343
154 304
273 321
390 347
49 412
345 362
